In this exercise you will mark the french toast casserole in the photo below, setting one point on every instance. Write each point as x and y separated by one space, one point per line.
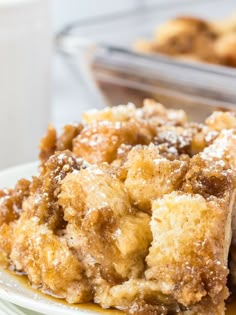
132 209
192 38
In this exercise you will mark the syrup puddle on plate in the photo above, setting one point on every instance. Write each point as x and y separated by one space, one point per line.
23 280
231 307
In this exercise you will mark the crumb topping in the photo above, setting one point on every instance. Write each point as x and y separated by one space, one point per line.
132 209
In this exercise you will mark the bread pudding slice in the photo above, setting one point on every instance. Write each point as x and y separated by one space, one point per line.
131 209
192 231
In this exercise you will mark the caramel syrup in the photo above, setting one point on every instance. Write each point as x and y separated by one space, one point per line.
230 307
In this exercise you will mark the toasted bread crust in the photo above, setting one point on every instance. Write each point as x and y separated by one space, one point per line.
131 209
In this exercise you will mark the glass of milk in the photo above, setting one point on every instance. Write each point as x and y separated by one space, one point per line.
25 79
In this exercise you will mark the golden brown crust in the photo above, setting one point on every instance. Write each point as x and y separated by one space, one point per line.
150 176
52 143
130 210
11 201
47 145
100 141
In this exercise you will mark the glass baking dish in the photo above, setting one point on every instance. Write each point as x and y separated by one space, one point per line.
101 49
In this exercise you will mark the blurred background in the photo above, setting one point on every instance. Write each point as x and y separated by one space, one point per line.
68 91
59 58
68 85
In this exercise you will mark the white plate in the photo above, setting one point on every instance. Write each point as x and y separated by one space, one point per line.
12 289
